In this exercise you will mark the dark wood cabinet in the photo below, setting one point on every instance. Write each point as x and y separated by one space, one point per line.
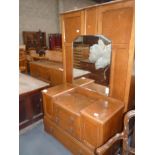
34 40
30 108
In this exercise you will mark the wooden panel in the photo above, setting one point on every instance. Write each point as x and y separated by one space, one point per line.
90 133
67 121
115 22
44 73
73 25
96 130
22 109
69 63
36 101
48 106
119 66
56 76
91 21
74 145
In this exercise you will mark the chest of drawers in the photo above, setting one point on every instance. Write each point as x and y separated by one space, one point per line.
82 114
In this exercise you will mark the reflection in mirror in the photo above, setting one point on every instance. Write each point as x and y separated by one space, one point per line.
92 58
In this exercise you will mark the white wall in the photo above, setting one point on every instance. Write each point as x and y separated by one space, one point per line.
38 14
44 14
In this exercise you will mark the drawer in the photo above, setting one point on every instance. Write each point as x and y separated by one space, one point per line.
67 121
75 146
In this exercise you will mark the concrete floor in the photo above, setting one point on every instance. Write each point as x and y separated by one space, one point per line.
35 141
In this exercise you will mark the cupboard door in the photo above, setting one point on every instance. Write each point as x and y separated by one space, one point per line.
115 22
91 21
22 110
73 25
36 101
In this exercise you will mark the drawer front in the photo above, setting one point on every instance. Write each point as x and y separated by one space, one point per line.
76 147
91 132
67 121
36 100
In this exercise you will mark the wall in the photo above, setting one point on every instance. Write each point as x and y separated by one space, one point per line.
38 14
66 5
44 14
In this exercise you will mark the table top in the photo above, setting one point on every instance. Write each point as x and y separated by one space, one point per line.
28 84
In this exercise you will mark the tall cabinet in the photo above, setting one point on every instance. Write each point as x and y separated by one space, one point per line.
115 20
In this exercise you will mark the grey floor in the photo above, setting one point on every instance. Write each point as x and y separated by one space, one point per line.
36 141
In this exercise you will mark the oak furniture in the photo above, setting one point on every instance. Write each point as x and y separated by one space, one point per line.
22 60
115 20
127 149
48 71
81 116
30 100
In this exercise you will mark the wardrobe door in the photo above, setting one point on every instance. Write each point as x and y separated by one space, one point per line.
116 22
73 25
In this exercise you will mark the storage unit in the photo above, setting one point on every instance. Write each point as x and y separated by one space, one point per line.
34 40
30 100
47 71
114 20
81 116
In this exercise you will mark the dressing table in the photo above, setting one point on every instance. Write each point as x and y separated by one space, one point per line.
81 114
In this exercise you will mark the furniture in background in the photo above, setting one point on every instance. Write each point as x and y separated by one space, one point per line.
48 71
81 115
22 59
55 41
34 40
30 100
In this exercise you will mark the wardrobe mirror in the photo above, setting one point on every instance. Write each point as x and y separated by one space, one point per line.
92 58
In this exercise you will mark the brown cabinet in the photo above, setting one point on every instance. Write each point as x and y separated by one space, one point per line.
114 20
85 117
99 121
30 108
47 71
34 40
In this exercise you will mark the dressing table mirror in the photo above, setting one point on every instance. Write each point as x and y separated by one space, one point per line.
92 58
